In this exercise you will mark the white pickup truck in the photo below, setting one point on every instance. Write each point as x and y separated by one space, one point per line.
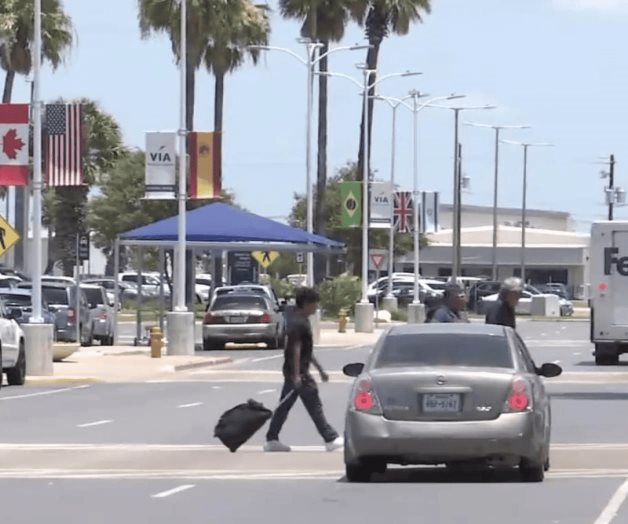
12 350
609 290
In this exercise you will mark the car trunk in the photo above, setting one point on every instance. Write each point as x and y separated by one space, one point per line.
237 316
442 394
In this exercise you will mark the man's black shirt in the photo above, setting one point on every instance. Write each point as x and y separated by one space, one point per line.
299 332
502 314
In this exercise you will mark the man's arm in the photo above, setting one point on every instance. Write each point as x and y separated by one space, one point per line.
319 368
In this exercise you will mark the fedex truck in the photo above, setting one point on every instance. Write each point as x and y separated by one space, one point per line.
609 290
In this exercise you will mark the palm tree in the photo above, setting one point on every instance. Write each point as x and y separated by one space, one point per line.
236 25
17 19
18 28
380 18
324 21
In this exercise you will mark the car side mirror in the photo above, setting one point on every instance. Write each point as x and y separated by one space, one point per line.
549 370
353 370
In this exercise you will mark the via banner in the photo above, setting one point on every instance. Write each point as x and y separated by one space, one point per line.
381 205
351 200
205 176
160 165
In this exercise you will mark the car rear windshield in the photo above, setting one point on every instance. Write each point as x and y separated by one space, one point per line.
17 300
54 295
93 296
232 302
467 350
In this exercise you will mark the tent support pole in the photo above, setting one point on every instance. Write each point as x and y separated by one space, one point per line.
161 288
116 289
138 312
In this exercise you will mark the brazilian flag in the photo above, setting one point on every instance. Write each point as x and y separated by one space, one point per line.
351 204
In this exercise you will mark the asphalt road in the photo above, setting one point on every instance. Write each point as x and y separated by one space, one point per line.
145 452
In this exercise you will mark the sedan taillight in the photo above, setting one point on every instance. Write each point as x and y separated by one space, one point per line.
519 399
364 398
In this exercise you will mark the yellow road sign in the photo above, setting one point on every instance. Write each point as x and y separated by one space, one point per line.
8 236
265 258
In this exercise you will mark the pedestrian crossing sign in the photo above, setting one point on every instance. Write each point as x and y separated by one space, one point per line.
8 236
265 258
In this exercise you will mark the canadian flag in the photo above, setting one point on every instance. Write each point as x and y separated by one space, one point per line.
14 137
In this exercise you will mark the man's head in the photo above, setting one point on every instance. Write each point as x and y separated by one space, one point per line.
455 297
307 300
511 290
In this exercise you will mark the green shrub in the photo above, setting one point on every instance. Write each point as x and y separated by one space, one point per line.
401 315
282 288
340 293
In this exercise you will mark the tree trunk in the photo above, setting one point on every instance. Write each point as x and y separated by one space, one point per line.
320 210
8 87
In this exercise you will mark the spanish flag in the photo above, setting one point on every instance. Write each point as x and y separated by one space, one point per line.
205 176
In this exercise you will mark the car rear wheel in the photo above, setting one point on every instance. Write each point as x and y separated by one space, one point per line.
16 376
532 472
358 472
273 343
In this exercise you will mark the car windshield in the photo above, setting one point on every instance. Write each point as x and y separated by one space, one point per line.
94 296
55 295
7 282
445 349
238 302
438 286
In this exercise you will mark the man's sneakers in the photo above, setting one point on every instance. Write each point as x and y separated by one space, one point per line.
335 444
276 447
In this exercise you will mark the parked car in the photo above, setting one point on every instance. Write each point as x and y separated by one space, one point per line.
258 289
61 300
524 307
479 290
12 349
555 288
127 291
58 279
243 318
21 299
101 319
150 283
448 394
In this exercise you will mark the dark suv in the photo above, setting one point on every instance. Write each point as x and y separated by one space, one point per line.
479 290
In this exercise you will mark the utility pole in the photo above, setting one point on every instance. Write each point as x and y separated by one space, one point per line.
611 186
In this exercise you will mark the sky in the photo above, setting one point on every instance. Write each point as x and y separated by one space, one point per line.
556 65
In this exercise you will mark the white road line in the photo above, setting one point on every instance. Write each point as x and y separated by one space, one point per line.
97 423
47 392
266 391
173 491
271 357
613 506
192 405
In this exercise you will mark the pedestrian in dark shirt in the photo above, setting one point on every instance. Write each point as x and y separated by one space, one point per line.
503 311
298 382
454 301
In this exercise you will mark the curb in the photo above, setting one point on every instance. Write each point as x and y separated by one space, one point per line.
62 380
214 362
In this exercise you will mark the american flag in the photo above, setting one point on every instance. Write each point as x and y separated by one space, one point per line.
402 212
64 145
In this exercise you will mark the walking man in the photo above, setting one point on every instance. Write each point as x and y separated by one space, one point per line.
298 382
503 311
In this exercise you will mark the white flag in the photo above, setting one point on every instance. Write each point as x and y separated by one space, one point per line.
381 205
160 165
429 212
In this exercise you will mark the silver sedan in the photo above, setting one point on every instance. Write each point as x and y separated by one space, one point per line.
448 394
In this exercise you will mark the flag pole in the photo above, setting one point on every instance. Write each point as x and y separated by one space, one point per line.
37 176
37 350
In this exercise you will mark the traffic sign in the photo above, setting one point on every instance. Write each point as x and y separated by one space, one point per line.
378 260
8 236
83 246
299 258
265 258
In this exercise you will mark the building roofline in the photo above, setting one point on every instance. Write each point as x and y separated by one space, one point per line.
530 212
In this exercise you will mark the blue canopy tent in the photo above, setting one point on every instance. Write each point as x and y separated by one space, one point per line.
221 227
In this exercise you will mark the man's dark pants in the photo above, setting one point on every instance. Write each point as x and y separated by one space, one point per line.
308 391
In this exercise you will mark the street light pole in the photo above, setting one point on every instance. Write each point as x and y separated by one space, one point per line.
311 60
524 197
456 225
180 321
37 334
497 129
611 186
364 309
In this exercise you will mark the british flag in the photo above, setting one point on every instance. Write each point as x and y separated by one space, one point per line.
402 212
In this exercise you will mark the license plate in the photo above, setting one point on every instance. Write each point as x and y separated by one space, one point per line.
237 320
441 403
